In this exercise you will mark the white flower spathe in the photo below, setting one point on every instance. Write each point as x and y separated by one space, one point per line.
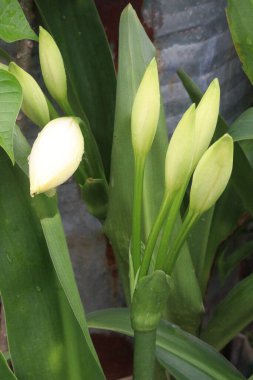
55 155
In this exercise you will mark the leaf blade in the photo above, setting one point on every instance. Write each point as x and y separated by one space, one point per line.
13 24
5 370
180 347
232 314
239 17
10 103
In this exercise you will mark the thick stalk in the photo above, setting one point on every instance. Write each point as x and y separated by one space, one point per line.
153 236
137 213
144 355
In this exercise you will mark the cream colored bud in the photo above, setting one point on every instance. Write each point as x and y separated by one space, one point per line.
179 157
56 154
52 67
206 119
211 175
34 103
146 110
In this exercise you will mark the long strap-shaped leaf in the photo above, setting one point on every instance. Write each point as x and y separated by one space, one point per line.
232 315
5 372
135 52
78 31
47 211
45 340
185 356
40 321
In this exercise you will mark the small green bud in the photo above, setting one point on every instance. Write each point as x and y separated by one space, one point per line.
178 162
206 119
34 103
211 175
146 110
52 67
56 154
149 301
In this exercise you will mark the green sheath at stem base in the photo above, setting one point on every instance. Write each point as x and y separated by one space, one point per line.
144 355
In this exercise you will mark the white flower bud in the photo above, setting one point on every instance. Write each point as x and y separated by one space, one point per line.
179 157
206 119
211 175
55 155
52 67
34 104
146 110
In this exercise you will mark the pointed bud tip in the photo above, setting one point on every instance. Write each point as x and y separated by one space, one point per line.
146 110
215 85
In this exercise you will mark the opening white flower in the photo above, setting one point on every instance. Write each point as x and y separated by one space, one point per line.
55 155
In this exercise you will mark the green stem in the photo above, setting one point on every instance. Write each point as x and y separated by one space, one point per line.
153 236
66 107
179 241
144 355
137 213
168 229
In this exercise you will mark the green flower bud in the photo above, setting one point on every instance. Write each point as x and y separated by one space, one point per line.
206 119
52 67
146 110
211 175
56 154
34 103
179 157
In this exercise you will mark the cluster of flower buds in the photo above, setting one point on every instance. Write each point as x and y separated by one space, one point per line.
189 141
59 147
187 153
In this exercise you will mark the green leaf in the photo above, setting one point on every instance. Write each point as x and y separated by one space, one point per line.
225 219
10 103
13 24
5 371
185 356
232 315
45 338
239 15
5 56
242 127
77 30
55 238
227 263
135 53
185 304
